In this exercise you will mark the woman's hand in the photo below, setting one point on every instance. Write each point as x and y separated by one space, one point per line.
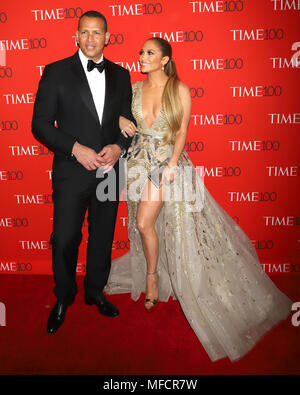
169 173
127 127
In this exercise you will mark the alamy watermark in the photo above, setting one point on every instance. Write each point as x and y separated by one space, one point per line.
295 57
187 185
2 314
296 316
2 56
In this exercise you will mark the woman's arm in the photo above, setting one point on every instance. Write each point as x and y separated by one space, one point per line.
180 139
127 127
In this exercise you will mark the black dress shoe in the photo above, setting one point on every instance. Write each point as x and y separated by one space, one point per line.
104 306
57 317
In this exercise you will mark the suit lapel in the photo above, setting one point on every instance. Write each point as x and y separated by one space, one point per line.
83 87
109 90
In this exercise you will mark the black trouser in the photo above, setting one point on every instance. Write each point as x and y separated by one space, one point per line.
74 191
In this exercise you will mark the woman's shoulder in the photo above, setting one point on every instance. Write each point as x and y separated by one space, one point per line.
137 88
184 91
136 84
183 88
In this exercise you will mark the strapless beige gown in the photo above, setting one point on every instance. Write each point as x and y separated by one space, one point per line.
206 261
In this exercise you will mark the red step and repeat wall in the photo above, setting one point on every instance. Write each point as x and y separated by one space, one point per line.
241 61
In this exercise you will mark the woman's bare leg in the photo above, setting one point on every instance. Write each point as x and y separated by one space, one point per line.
147 213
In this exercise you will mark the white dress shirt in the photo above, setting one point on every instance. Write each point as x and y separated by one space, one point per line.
96 82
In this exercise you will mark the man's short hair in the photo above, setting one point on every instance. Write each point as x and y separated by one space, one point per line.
94 14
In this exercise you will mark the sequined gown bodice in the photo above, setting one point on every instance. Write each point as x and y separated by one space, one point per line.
147 148
206 261
160 125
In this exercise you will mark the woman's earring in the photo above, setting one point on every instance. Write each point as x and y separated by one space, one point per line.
163 68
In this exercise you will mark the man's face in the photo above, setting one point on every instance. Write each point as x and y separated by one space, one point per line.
91 37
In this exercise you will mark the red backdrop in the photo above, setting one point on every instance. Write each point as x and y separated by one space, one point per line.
240 60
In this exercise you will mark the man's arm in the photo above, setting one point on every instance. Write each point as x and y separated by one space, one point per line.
111 153
44 115
43 128
122 141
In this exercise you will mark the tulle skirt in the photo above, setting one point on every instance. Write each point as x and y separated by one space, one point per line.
206 261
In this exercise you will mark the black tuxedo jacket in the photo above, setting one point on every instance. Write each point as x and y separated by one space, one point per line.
64 96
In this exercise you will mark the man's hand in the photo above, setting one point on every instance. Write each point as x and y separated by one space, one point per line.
109 156
87 157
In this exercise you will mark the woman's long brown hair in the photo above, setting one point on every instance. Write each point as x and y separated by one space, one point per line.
171 104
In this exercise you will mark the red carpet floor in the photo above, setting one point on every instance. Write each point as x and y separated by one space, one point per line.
134 343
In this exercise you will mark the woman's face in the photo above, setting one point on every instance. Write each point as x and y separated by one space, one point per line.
151 58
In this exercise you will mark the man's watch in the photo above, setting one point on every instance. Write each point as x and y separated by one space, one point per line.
123 150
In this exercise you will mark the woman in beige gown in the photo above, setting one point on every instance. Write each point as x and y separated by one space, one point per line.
182 243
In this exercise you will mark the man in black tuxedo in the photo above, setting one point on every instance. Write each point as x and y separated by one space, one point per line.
76 114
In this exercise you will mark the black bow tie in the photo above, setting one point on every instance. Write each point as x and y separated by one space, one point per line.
91 65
